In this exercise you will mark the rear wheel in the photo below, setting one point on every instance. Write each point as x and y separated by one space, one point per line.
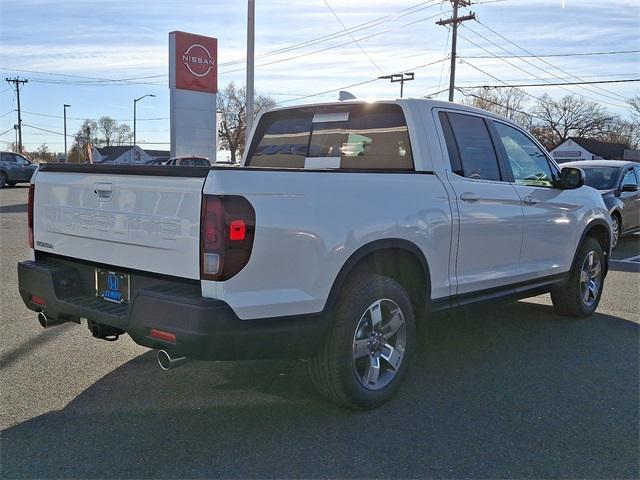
3 179
366 353
580 295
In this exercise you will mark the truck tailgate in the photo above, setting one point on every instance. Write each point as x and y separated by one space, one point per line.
141 222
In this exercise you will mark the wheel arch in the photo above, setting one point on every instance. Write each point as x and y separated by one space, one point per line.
599 230
399 259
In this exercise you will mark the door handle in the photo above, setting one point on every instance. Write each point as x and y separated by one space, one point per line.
469 197
529 200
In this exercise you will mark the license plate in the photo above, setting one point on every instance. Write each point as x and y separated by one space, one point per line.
112 286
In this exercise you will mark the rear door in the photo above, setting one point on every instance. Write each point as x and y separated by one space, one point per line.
488 206
143 222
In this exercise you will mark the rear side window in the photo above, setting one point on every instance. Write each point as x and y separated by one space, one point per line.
351 137
470 147
8 157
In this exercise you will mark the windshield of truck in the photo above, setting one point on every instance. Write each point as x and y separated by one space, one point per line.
600 178
351 137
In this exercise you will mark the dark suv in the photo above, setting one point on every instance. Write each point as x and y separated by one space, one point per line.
15 168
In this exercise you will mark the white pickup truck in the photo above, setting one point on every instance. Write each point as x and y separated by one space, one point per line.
346 224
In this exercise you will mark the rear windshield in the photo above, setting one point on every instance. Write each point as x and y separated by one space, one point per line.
195 162
352 137
600 178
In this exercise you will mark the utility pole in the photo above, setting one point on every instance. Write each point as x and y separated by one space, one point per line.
15 127
399 77
251 37
17 82
454 21
65 106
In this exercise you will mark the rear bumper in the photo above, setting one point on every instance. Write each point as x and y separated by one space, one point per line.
205 328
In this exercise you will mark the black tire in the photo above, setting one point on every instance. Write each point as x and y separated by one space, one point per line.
333 370
569 298
3 179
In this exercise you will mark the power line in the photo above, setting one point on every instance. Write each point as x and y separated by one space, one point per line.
544 61
528 72
94 119
549 55
324 49
363 26
555 84
326 2
354 84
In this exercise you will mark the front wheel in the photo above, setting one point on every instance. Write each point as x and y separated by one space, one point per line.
366 353
616 225
3 179
580 295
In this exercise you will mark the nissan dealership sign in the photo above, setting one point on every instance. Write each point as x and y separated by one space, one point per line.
195 60
193 84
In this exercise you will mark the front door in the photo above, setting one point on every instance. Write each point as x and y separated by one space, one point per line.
550 214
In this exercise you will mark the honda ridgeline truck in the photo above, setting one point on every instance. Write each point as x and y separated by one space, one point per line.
346 224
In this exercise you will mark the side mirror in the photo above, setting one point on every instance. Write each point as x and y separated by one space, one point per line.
571 177
629 187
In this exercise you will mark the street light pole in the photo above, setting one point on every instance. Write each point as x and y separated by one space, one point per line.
136 100
65 106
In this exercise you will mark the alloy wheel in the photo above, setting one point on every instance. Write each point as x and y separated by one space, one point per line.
615 231
379 344
590 278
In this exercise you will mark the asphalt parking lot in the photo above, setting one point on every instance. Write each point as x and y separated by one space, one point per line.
509 391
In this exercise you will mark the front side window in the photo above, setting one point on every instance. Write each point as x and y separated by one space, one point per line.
629 178
528 162
471 145
360 137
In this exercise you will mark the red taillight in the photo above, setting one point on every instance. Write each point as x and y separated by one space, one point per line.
38 300
32 189
228 225
161 335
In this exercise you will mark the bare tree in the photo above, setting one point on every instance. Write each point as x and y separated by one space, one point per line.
232 109
508 102
108 129
123 134
569 117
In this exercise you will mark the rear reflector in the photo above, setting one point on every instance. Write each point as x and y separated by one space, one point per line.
38 300
32 190
164 336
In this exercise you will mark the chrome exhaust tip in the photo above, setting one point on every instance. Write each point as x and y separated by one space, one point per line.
47 322
167 362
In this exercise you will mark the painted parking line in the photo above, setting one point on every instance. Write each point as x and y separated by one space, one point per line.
634 259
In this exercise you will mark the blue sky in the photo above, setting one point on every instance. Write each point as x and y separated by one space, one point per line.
129 39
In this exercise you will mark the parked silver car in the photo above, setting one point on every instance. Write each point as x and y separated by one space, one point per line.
618 182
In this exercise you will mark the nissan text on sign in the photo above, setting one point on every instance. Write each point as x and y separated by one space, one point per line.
193 82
